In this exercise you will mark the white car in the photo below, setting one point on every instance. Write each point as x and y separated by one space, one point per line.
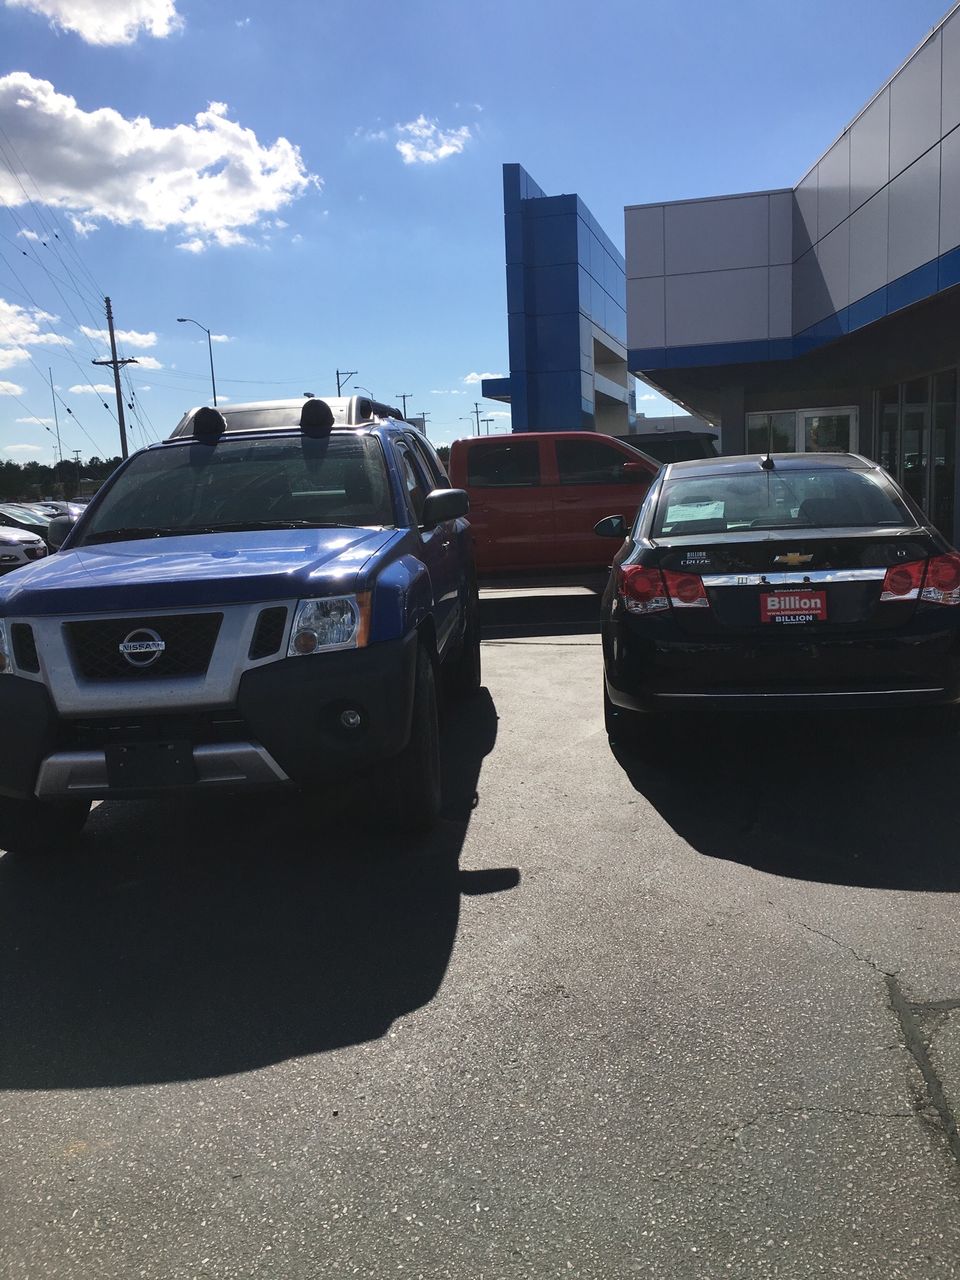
19 547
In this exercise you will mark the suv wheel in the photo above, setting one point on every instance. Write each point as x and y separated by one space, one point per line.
463 672
411 791
36 827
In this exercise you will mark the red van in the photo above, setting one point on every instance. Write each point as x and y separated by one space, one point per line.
535 496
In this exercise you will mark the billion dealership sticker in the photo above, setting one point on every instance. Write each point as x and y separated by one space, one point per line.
793 606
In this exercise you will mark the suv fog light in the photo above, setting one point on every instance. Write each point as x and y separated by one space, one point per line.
305 642
350 719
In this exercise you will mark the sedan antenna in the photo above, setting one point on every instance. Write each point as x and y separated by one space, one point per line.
767 463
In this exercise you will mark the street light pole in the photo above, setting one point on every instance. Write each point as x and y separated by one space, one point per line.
486 422
342 377
213 381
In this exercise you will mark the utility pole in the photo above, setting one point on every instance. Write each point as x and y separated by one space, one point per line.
486 422
404 396
342 378
423 415
116 365
76 455
56 423
476 410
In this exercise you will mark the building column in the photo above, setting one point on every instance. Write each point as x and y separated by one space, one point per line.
733 422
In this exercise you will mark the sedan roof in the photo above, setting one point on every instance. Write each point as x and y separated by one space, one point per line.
747 462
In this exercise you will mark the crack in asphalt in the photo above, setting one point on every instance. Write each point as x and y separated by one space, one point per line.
906 1012
845 946
783 1112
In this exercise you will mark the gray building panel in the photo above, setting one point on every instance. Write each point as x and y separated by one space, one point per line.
646 316
950 86
781 226
870 150
950 191
914 236
811 302
805 214
833 200
780 323
643 233
833 256
915 107
716 235
717 306
868 246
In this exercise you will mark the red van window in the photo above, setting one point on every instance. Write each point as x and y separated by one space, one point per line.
504 464
591 462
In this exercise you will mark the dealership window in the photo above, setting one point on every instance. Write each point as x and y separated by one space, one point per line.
832 430
916 442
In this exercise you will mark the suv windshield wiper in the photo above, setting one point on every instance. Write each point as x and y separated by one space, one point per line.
226 526
127 535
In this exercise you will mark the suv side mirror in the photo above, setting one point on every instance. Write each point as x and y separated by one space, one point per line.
611 526
444 504
58 529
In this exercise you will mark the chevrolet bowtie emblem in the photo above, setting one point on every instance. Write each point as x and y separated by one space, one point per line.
793 558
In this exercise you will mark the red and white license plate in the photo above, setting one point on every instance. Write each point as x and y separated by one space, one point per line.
794 606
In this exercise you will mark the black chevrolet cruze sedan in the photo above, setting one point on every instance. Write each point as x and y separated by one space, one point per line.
805 580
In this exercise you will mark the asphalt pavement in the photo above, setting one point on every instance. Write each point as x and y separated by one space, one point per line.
690 1013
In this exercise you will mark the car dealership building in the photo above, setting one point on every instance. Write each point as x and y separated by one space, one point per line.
822 316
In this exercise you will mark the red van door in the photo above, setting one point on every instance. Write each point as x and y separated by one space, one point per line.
511 511
590 481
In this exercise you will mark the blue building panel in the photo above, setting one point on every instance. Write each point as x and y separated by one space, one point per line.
562 271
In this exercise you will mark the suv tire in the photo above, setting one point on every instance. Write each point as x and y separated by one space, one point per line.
463 673
411 791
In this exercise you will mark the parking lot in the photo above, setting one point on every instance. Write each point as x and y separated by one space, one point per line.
692 1013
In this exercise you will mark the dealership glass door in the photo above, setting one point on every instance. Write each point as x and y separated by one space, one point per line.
917 440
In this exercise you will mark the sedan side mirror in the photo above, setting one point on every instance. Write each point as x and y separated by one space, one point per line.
444 504
58 529
611 526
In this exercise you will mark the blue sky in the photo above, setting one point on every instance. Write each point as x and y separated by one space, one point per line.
319 181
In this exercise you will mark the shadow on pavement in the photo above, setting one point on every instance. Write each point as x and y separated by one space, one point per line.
190 939
860 801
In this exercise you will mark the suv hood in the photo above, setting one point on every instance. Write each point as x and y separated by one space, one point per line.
193 570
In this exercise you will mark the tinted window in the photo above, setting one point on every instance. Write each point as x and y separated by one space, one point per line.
414 481
429 461
505 464
795 499
591 462
338 480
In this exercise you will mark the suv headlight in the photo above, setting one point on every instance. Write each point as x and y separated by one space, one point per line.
4 651
332 622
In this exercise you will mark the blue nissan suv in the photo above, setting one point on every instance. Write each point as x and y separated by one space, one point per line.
267 599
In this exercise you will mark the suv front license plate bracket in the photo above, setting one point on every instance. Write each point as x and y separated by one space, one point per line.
147 765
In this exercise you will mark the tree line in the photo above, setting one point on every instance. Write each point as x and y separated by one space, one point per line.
28 481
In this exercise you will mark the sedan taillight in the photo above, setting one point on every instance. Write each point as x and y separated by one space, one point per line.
686 591
642 590
903 581
942 583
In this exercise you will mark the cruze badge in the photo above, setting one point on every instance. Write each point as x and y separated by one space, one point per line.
794 558
142 647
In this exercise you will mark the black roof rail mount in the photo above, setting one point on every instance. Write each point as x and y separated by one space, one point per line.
316 418
209 425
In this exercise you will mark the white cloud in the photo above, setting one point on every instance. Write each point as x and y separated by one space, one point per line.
37 422
20 328
422 141
132 337
242 22
648 396
22 448
91 388
473 378
107 21
10 389
204 180
220 337
497 413
28 234
147 362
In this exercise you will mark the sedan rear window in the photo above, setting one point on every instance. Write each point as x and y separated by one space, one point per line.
831 498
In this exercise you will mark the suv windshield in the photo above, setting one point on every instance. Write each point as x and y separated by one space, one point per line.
832 498
246 484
